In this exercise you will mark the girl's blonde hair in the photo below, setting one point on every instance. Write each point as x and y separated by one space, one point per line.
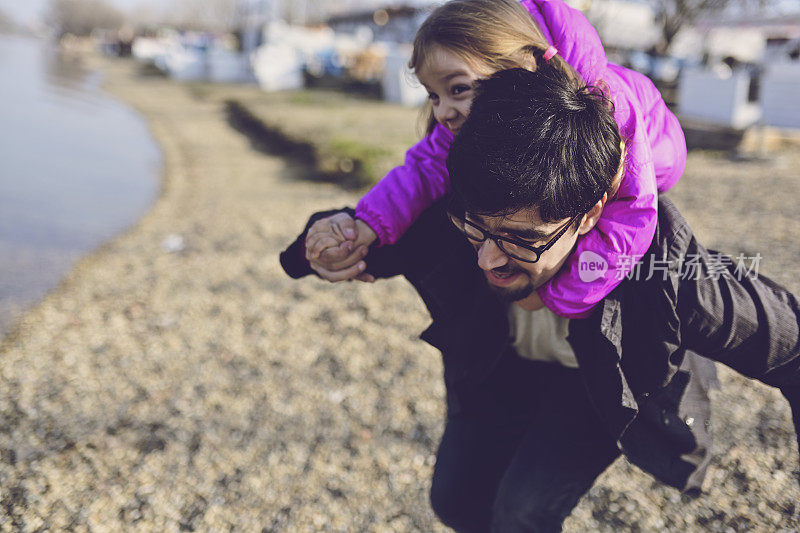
490 35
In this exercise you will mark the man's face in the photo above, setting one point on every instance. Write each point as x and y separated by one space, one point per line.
515 280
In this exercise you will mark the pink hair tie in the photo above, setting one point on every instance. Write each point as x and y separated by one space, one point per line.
549 53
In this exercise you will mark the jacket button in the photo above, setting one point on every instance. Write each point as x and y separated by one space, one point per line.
664 417
689 421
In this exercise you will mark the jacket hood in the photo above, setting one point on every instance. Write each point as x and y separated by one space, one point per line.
571 33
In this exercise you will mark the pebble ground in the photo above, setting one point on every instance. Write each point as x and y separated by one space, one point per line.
178 381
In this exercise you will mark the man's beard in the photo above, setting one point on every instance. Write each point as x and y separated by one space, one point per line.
512 295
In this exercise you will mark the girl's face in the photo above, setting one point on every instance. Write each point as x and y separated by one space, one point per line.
450 83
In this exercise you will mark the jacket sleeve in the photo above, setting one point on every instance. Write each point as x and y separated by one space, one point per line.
396 201
578 43
418 251
664 133
620 238
732 314
624 231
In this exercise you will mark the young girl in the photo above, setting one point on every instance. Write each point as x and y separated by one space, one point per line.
464 40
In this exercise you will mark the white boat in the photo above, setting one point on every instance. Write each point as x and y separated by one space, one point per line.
720 96
278 64
277 67
147 49
399 84
228 66
186 63
780 86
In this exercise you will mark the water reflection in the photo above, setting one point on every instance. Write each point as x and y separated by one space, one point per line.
62 69
78 167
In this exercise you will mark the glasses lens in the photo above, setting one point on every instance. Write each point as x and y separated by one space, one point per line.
473 233
458 222
469 230
518 252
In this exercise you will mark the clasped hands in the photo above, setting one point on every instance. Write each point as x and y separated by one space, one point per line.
336 247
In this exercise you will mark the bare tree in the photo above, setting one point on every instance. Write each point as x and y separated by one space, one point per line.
81 17
216 15
672 15
6 23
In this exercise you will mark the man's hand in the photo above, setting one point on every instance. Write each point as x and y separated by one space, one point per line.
336 245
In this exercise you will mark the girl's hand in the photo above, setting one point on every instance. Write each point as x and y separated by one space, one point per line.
336 245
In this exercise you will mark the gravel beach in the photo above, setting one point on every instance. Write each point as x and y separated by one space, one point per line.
177 380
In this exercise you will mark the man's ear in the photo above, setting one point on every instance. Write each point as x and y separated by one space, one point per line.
591 217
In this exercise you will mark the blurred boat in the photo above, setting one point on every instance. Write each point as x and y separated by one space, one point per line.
399 84
720 95
277 67
780 87
226 62
148 49
279 63
194 56
185 64
228 66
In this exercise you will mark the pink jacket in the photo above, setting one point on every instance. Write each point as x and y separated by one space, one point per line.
656 157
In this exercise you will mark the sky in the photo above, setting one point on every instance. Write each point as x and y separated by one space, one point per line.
26 11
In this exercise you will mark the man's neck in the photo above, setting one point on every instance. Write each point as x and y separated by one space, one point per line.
531 302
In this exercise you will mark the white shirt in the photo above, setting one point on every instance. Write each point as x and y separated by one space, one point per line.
541 335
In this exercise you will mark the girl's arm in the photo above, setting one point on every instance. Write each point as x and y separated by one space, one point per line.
664 133
386 211
608 253
396 201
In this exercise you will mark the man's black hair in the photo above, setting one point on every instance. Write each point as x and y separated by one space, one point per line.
535 139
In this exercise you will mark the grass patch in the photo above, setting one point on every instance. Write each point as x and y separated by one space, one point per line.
371 157
345 139
343 161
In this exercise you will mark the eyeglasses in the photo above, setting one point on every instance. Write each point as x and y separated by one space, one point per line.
514 248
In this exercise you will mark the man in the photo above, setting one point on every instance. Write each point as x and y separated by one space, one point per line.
539 406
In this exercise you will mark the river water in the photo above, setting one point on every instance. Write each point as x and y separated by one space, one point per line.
76 168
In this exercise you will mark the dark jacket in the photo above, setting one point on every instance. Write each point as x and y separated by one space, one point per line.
636 352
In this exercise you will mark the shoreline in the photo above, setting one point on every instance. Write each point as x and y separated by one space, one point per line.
200 388
87 258
52 219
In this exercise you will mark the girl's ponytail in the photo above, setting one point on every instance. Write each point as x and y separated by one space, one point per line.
550 58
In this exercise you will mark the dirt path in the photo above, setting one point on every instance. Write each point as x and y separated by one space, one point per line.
201 389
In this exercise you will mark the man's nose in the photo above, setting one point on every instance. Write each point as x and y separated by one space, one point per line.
490 256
